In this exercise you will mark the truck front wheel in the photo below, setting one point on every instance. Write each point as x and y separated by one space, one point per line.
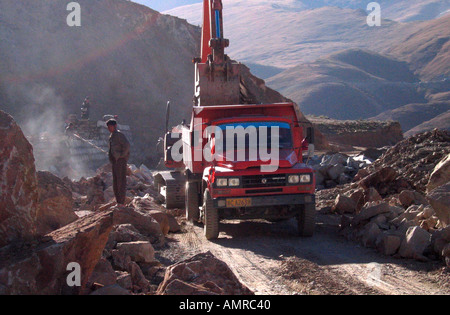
307 220
211 217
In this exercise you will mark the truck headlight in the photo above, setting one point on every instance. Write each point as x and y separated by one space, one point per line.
304 179
294 179
299 179
222 182
234 182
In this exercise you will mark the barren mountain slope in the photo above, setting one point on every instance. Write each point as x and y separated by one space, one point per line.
293 32
413 115
399 10
286 37
426 49
351 84
441 121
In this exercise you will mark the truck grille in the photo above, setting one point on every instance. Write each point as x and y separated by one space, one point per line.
259 181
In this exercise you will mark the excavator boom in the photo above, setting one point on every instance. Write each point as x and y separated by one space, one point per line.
212 28
217 78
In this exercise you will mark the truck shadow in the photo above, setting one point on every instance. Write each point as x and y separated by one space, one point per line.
280 240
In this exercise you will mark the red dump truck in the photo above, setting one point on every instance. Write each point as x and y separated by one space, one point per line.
235 160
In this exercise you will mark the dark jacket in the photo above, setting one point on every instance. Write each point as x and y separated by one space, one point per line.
119 147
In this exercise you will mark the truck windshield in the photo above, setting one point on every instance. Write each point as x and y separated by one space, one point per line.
255 135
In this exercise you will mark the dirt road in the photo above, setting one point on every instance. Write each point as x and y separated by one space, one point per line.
271 259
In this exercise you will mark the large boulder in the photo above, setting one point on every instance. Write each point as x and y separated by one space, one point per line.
379 178
439 199
335 171
55 208
388 244
372 195
415 243
142 221
18 184
202 274
124 233
344 204
141 251
369 211
411 197
148 206
358 197
163 219
174 227
42 269
441 238
440 174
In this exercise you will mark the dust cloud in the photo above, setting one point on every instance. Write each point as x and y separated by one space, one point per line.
44 125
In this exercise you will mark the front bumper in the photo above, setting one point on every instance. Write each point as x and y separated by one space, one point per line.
268 201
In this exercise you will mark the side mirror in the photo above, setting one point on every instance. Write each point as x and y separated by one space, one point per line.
310 135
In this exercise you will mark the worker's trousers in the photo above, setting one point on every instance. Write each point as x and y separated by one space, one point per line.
119 170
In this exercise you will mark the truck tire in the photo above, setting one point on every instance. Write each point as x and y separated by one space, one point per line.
307 220
192 204
211 217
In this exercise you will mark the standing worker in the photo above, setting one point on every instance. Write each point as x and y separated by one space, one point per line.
119 153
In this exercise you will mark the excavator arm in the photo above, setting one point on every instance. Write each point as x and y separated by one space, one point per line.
213 42
217 78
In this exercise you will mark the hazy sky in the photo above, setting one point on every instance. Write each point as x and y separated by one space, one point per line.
163 5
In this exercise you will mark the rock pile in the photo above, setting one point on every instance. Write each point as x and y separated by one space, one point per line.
115 247
416 157
337 169
129 255
91 193
128 263
388 207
